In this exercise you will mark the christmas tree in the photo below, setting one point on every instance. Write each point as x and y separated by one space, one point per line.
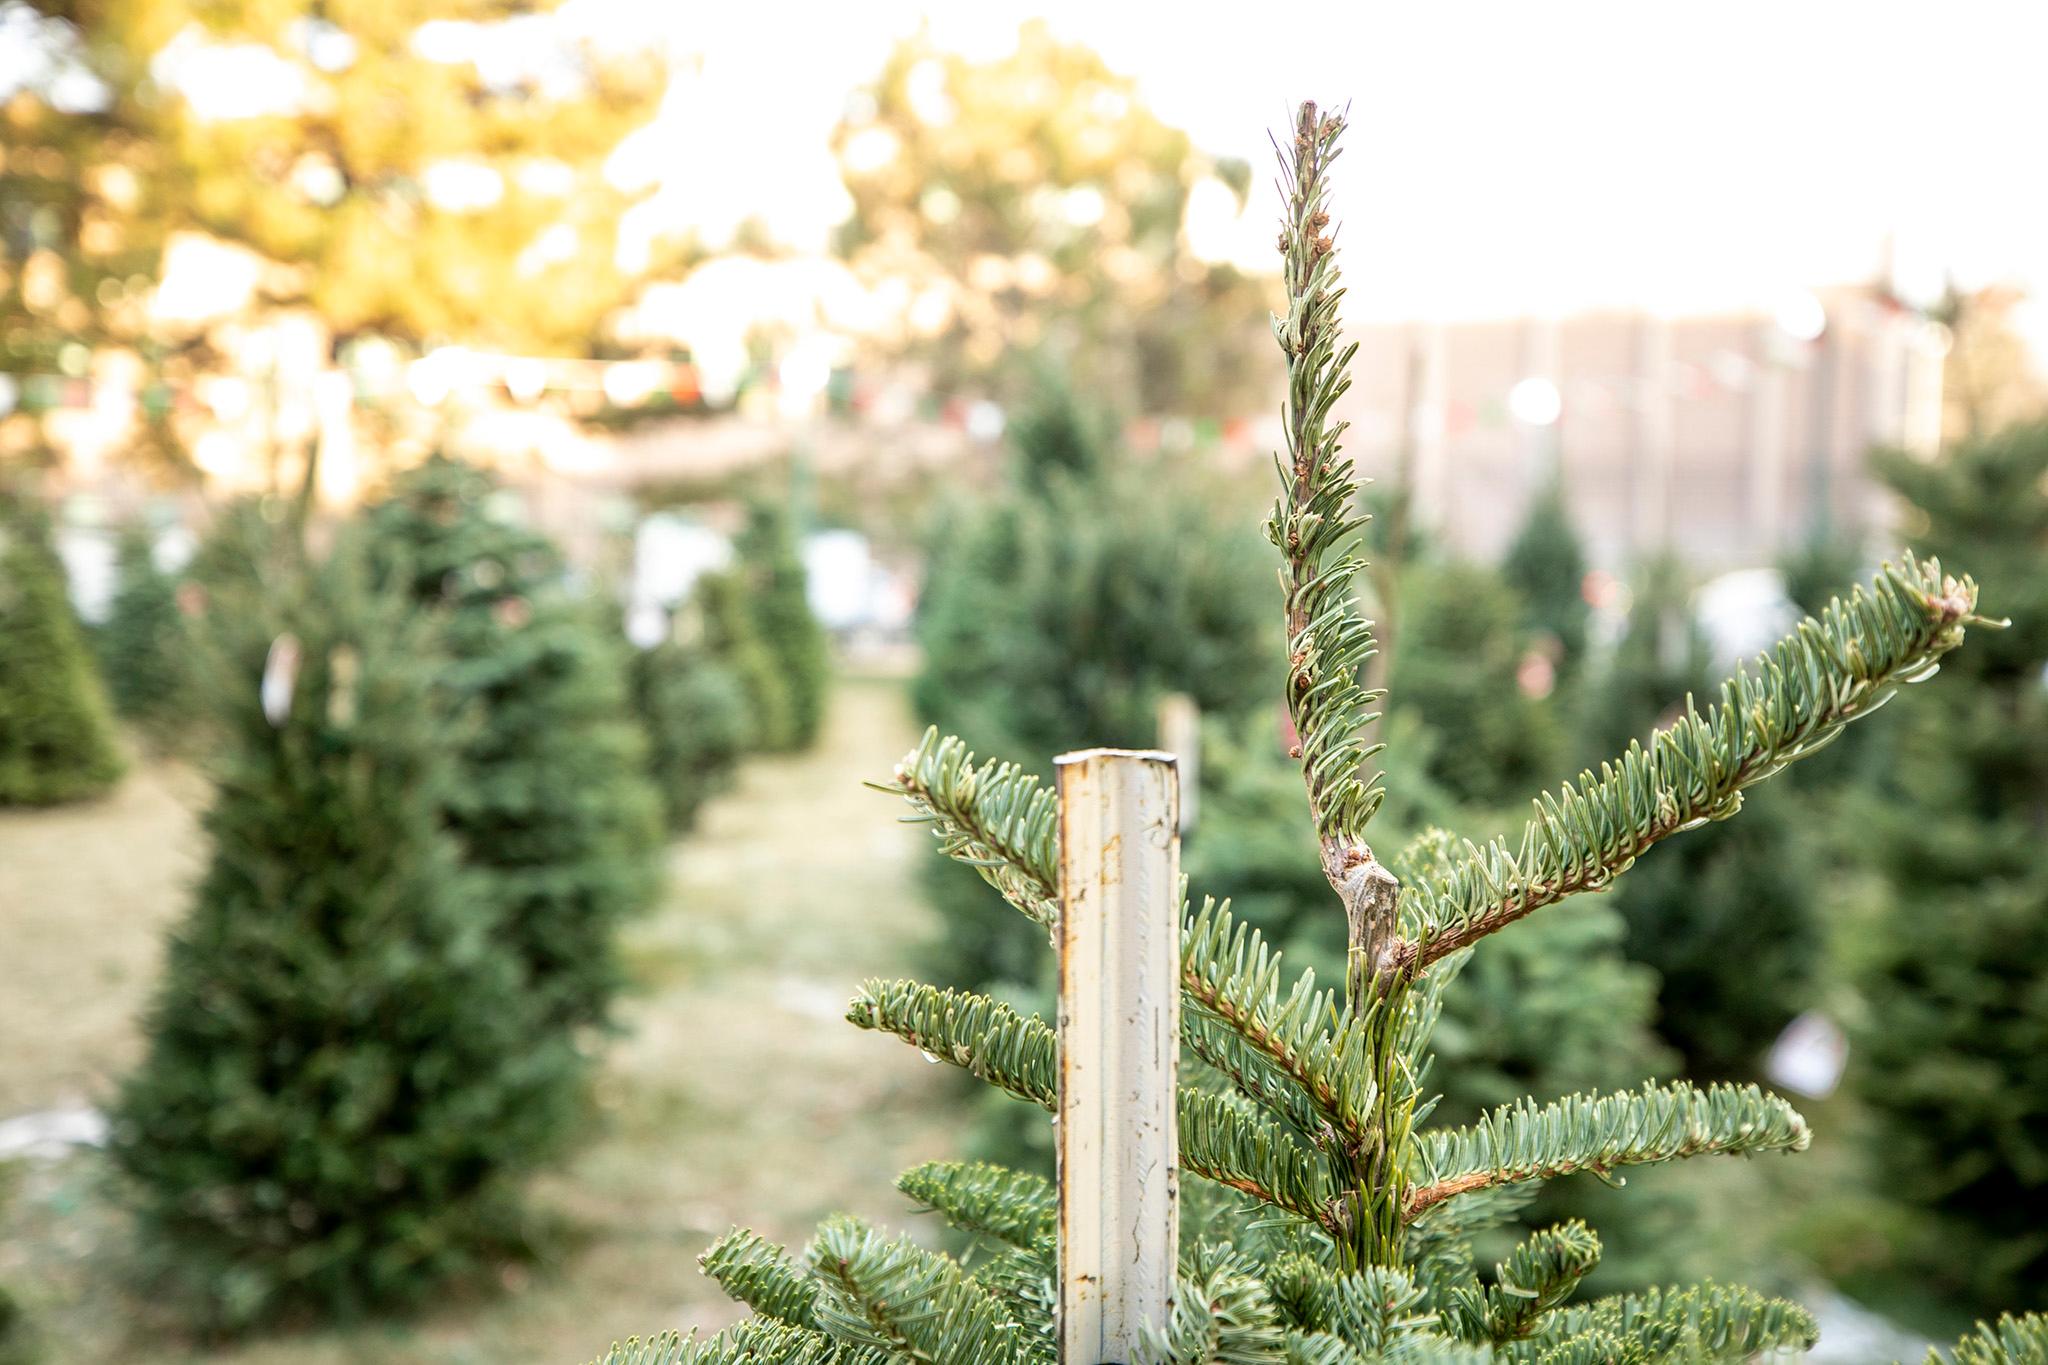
56 731
1547 565
733 635
1752 881
142 644
1953 1057
552 806
777 588
346 1074
695 716
1352 1242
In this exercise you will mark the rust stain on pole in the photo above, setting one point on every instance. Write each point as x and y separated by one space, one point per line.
1119 1032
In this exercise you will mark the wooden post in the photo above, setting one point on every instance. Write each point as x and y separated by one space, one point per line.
1119 1033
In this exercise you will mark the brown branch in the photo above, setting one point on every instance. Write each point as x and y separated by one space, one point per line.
1423 1199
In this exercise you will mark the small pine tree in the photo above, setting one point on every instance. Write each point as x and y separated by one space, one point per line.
56 730
1349 1237
1459 665
553 806
345 1076
695 716
1547 566
142 645
1953 1054
733 636
777 589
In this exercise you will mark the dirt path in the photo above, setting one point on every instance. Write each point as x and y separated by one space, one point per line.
740 1094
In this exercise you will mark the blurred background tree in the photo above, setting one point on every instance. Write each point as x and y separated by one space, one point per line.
1952 1053
56 730
1547 566
695 714
1042 209
776 586
142 645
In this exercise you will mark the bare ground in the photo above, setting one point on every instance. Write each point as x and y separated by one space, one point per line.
739 1094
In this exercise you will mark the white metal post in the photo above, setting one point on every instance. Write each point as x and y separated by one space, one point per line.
1119 1034
1180 734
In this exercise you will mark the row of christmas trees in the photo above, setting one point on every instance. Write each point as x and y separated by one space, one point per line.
441 786
1048 624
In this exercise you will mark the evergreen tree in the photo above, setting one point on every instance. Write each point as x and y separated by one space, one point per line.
695 716
56 731
346 1076
1459 665
733 635
1352 1240
1749 881
1547 566
142 644
1953 1055
777 590
553 806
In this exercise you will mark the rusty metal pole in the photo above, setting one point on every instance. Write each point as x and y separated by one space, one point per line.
1119 1034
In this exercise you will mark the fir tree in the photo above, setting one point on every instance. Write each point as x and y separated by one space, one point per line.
733 636
1463 647
1354 1243
777 590
56 731
1749 881
142 644
1953 1057
553 807
1547 566
346 1076
695 716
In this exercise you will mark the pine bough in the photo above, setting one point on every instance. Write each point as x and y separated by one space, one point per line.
1358 1216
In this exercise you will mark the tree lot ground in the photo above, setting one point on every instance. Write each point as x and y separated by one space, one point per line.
737 1092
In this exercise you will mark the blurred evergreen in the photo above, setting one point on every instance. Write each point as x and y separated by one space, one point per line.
553 806
57 739
777 588
1459 665
733 635
347 1071
1547 566
1952 1052
1688 902
695 715
142 647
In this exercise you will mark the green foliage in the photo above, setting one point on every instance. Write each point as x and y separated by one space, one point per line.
733 635
56 731
695 716
142 645
1750 881
17 1344
1952 1057
1547 565
775 587
1354 1237
346 1073
1462 645
553 807
1820 568
1048 624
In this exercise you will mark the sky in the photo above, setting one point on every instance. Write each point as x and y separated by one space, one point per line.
1503 159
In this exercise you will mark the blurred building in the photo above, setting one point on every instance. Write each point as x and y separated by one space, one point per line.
1726 438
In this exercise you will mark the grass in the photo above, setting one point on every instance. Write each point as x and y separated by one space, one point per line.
738 1095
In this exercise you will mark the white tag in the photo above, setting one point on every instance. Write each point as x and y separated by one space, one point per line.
280 676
